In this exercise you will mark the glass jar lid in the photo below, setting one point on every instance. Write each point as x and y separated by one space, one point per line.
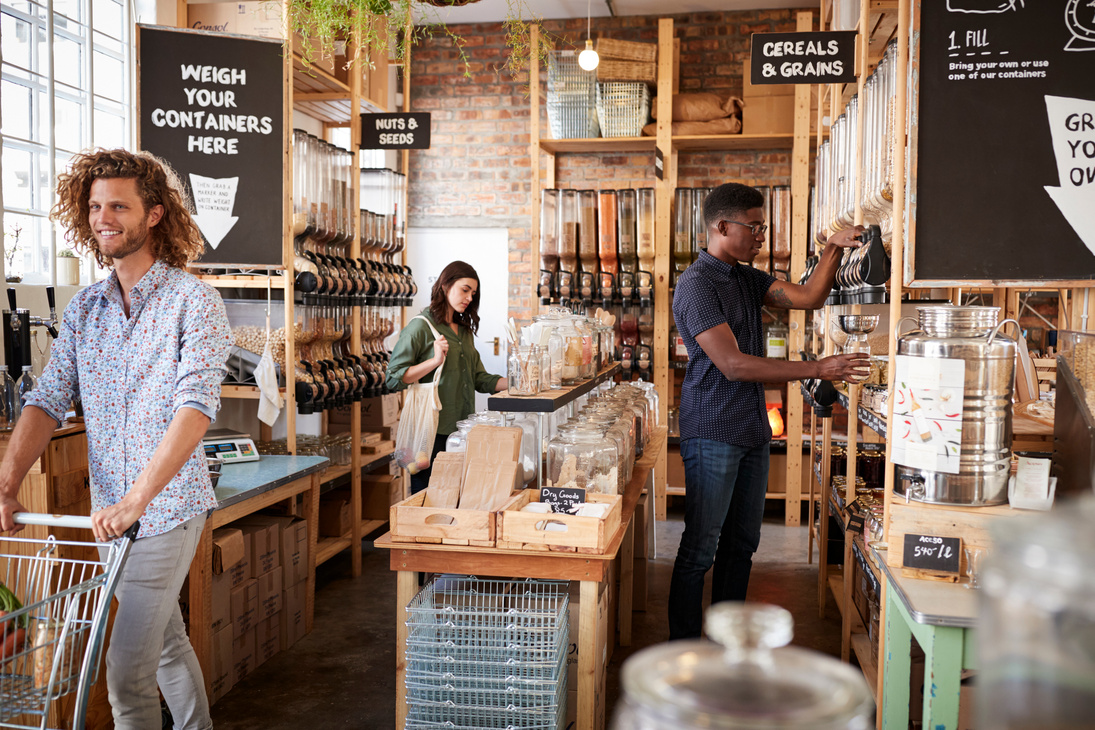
751 681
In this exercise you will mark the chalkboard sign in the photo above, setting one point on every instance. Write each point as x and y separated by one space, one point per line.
406 131
563 499
931 553
1005 165
211 105
803 58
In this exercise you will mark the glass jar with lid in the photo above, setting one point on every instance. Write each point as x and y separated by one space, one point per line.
582 458
571 371
613 428
651 392
530 449
589 349
458 439
753 681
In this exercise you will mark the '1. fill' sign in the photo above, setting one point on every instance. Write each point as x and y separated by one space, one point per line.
410 131
803 58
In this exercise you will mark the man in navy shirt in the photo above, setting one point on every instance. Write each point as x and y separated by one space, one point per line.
723 424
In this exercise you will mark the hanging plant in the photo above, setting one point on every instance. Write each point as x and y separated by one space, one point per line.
322 24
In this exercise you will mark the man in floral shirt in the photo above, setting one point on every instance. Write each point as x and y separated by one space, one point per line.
145 353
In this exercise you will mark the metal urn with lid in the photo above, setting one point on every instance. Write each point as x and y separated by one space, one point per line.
749 680
970 334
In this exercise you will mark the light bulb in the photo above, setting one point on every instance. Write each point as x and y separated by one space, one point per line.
588 59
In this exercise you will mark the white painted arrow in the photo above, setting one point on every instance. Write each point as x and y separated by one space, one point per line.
1072 124
214 199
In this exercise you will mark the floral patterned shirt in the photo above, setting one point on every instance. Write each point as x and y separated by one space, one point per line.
132 375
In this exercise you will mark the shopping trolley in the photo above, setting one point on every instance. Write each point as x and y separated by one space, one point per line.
66 595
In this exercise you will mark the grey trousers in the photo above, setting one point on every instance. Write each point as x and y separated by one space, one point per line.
148 645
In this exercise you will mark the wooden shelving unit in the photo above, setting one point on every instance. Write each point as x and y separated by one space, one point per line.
669 146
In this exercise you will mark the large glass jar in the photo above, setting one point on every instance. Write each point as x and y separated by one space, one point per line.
571 372
583 459
644 221
458 439
549 242
753 681
589 349
651 392
682 229
524 369
616 428
626 232
1036 623
530 449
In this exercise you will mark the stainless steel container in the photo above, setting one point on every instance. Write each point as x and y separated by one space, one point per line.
973 335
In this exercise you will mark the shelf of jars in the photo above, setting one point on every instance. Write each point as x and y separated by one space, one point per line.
550 401
867 417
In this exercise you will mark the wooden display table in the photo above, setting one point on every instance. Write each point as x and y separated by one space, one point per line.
244 489
941 616
410 559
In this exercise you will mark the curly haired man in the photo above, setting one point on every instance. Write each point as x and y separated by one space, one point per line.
144 351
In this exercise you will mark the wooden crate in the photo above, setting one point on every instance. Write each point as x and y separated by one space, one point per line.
526 530
410 521
969 523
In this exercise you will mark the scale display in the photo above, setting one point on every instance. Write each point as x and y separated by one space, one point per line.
230 446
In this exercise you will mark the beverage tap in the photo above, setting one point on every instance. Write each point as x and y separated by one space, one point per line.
49 324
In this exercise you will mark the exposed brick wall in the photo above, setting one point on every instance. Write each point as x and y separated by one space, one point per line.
477 171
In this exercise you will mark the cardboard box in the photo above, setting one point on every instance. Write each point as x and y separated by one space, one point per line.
263 532
268 637
243 655
291 618
245 607
749 91
334 515
294 549
229 549
379 412
768 115
221 681
599 709
269 594
243 18
241 571
378 493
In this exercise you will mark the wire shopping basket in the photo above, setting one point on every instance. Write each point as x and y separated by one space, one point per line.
52 645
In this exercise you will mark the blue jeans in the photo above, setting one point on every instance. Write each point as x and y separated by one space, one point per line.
723 509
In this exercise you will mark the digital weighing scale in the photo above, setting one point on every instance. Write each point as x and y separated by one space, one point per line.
230 446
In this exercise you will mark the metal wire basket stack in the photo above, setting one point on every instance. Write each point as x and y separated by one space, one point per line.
571 102
487 654
623 108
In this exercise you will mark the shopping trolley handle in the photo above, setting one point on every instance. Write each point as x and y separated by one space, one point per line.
77 522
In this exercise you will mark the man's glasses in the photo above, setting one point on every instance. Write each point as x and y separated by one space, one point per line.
757 229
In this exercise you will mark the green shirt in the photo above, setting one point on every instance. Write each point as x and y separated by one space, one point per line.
462 374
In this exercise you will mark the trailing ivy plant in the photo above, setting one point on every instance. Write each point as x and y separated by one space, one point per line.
322 24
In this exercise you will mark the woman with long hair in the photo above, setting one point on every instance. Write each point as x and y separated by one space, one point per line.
454 314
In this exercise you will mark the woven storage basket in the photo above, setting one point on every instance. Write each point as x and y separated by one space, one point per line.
613 70
627 50
623 108
571 98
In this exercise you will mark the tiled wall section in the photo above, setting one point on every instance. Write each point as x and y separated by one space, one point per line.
477 171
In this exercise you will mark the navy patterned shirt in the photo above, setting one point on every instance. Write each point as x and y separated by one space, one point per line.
709 293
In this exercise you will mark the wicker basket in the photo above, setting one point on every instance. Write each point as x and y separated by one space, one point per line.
627 50
571 98
623 108
614 70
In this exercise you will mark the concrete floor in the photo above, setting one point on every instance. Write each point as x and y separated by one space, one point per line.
342 675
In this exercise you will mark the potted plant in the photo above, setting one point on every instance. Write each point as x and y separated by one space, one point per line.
319 24
68 268
11 248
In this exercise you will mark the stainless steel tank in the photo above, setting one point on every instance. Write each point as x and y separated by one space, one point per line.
973 335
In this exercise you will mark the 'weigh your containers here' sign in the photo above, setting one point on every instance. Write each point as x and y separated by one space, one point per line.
803 58
408 131
211 105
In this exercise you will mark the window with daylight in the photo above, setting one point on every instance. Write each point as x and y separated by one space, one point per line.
65 87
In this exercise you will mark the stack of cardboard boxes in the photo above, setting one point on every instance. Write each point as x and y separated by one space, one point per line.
259 590
770 108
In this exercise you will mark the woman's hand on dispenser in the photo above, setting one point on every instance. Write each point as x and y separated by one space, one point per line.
440 350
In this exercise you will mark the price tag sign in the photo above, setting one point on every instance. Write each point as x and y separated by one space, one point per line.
932 553
855 523
563 499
